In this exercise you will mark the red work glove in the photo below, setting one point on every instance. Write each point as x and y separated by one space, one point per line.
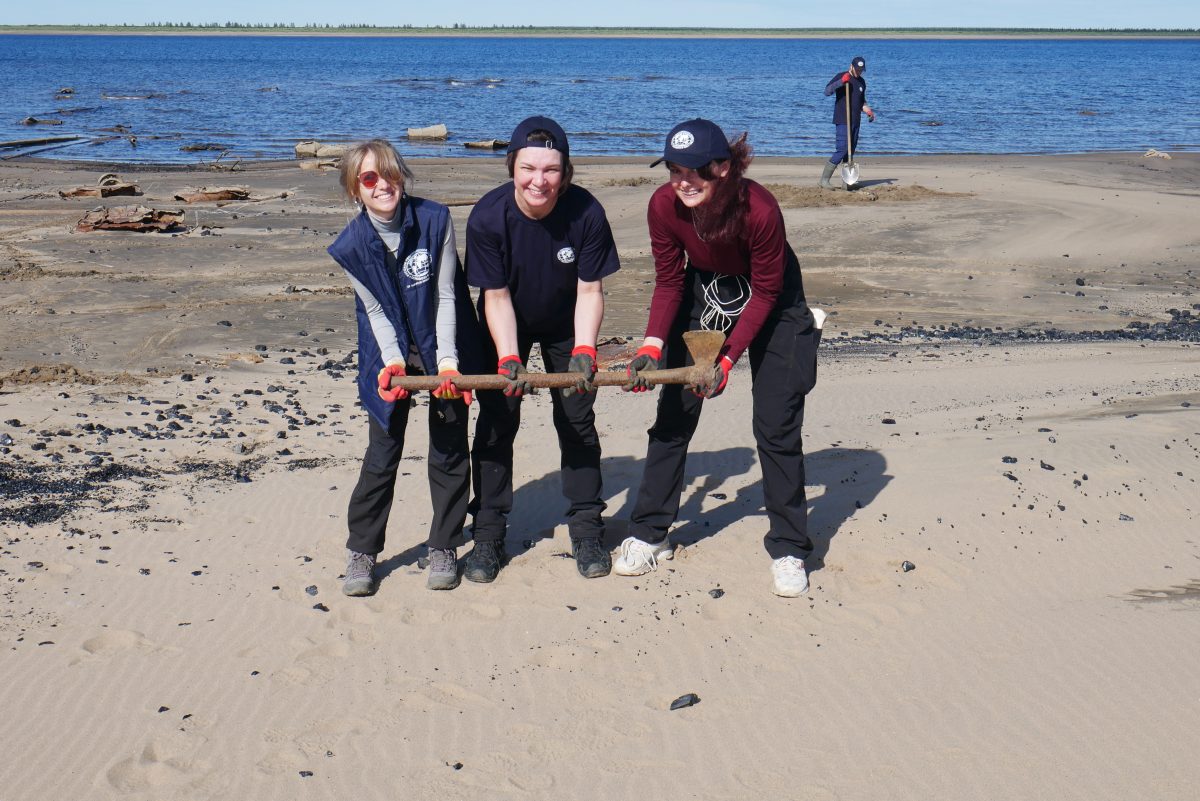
714 383
511 368
845 77
385 383
647 358
448 391
583 361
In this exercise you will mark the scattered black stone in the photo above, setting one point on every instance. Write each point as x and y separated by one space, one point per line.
225 323
1124 518
14 422
187 377
145 571
716 592
162 709
287 360
1080 282
311 589
46 642
906 566
304 774
572 608
1045 466
1045 430
1183 326
321 607
456 765
617 608
1010 476
691 699
6 440
1009 459
888 421
720 496
527 544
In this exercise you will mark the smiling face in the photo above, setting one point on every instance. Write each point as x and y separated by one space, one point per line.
693 189
538 176
382 198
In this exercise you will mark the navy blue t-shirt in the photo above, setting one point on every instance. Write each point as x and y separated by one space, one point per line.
858 98
540 261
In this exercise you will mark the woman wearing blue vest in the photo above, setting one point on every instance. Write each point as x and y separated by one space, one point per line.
414 317
539 247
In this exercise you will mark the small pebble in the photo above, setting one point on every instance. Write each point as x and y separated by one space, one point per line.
906 566
1124 518
717 592
690 699
888 421
304 774
311 589
321 607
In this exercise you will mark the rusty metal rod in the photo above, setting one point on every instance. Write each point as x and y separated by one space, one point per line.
704 346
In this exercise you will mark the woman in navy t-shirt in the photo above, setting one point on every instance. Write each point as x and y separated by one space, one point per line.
722 262
539 248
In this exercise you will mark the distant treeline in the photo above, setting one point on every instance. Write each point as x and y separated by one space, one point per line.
462 27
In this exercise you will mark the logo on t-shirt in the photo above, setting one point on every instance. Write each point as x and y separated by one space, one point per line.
566 255
682 140
418 266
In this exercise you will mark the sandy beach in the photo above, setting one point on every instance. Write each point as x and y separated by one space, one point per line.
1003 453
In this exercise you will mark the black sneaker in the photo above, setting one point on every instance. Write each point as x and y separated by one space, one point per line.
482 564
591 558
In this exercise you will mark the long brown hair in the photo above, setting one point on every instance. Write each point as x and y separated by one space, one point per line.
721 218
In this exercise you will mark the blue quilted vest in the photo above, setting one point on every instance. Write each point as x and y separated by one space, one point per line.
408 294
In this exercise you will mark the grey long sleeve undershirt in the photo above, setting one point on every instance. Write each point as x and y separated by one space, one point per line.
446 322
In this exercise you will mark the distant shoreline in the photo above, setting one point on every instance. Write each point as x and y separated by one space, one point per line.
607 33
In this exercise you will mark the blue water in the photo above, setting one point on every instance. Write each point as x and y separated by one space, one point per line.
259 95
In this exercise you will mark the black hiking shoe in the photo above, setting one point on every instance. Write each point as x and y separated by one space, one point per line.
592 560
482 564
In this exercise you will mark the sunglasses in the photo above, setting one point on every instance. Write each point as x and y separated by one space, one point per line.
369 179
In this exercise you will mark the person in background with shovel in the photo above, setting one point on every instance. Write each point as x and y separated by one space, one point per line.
850 103
414 316
722 261
539 248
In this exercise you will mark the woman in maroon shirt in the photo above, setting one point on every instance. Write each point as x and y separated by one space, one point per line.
722 261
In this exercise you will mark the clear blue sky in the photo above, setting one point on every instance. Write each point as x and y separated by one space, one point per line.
647 13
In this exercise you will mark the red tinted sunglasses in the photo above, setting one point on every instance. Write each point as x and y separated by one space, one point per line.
369 179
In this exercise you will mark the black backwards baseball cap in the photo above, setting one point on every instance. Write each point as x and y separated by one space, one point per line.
557 141
695 143
858 63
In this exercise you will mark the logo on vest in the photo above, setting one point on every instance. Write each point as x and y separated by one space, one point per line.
418 266
566 255
682 140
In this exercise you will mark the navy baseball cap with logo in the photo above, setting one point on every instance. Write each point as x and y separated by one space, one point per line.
557 141
695 143
858 63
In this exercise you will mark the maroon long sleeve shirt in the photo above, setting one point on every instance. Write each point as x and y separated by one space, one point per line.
760 252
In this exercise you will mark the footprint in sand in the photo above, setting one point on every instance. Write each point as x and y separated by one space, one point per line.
425 616
163 763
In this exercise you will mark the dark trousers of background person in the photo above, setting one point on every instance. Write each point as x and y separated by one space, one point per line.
839 141
578 443
449 468
783 369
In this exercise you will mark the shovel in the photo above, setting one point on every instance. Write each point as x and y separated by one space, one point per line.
704 347
849 169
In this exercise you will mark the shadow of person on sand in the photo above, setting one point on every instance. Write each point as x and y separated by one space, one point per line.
852 478
876 182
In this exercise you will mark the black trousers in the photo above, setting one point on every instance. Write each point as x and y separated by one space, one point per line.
449 468
578 443
783 369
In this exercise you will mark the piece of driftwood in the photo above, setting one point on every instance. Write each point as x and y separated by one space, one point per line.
213 193
51 140
36 121
429 132
307 149
105 190
130 218
487 144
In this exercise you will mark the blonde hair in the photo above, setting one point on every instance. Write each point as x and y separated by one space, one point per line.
388 163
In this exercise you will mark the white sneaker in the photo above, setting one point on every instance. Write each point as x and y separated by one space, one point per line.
791 579
639 557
